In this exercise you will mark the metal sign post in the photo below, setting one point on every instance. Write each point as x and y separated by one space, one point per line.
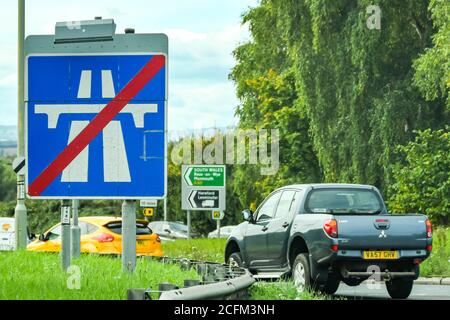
128 236
218 229
75 231
218 216
165 208
20 212
65 234
189 224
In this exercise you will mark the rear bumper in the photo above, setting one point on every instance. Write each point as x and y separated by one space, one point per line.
351 264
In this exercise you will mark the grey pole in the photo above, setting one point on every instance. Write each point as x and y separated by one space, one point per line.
165 208
75 231
189 224
20 212
218 229
128 236
65 234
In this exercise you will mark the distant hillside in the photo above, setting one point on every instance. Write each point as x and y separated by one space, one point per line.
8 133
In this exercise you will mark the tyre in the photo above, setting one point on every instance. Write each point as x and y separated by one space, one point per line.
352 282
332 284
399 288
235 260
301 273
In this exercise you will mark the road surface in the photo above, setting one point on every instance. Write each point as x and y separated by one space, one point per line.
420 292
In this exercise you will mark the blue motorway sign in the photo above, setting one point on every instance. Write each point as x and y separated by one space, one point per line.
95 126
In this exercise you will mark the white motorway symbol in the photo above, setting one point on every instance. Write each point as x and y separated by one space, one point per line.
115 166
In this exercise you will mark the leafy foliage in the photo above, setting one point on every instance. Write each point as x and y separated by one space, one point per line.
423 182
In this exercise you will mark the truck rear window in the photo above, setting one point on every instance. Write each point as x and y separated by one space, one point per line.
344 201
141 229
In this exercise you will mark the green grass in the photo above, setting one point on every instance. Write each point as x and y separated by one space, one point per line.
282 290
438 264
38 276
212 250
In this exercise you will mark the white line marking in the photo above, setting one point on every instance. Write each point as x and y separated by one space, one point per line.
115 162
108 90
53 111
77 170
84 90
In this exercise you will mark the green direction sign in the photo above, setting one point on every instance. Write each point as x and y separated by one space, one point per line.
205 176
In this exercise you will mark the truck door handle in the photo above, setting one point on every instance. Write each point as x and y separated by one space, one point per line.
265 229
285 225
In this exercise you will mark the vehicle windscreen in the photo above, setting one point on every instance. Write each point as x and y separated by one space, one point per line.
343 201
141 229
179 227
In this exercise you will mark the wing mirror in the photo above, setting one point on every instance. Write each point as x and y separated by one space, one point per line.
247 215
43 237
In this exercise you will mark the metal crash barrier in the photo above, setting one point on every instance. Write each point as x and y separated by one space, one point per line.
218 282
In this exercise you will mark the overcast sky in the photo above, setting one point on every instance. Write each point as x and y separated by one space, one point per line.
202 35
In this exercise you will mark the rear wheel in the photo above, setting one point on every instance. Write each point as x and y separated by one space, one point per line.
399 288
352 282
235 260
331 285
301 274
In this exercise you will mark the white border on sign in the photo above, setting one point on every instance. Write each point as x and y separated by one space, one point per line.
166 116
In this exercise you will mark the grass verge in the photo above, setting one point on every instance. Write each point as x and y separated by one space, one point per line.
438 264
282 290
196 249
38 276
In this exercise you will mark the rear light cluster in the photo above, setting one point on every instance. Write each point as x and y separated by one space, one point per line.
158 239
330 228
104 237
429 231
429 228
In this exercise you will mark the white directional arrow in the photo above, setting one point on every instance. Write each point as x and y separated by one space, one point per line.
192 199
187 178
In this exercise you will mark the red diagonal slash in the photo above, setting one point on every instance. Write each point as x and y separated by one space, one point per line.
96 125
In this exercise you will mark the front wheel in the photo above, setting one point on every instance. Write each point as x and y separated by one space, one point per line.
399 288
301 274
235 260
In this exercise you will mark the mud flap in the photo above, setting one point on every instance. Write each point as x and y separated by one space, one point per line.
319 274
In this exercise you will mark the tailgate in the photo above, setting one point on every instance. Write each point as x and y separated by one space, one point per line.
382 232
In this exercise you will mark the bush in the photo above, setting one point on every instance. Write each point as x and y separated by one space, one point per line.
423 181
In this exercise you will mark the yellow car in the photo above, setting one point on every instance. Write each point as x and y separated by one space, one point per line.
101 235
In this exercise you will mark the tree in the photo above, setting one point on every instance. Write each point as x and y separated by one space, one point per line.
7 181
432 68
423 180
355 84
268 96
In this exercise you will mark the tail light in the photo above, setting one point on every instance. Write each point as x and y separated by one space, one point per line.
429 228
158 239
334 248
330 228
429 248
104 237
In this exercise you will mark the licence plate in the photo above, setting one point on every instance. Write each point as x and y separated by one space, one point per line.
141 242
380 255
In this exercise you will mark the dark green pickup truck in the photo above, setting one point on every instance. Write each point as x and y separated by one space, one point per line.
322 234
